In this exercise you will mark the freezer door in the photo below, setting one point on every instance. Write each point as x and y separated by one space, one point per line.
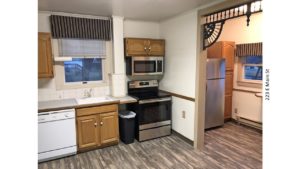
214 105
215 68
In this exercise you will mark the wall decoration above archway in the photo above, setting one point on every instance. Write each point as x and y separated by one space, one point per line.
213 23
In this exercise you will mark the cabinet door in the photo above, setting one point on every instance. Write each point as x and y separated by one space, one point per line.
215 51
228 106
228 82
228 54
136 47
45 69
157 48
109 128
223 49
87 131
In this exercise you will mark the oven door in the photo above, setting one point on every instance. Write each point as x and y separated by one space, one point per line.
147 66
154 112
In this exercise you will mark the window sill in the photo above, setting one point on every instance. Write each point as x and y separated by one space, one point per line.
249 84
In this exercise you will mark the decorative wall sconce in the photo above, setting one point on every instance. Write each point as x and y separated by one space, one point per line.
214 22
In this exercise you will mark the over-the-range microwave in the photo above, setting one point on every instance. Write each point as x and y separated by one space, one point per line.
149 65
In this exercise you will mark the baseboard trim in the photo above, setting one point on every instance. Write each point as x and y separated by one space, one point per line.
190 142
247 125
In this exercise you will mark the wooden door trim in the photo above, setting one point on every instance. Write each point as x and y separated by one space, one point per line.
179 96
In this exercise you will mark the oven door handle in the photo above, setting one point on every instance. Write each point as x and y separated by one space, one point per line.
155 100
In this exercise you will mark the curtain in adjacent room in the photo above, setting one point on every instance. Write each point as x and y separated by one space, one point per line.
249 49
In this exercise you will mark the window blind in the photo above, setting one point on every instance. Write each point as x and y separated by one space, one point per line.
82 48
249 49
80 28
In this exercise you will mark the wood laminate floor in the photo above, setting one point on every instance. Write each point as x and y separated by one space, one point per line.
231 147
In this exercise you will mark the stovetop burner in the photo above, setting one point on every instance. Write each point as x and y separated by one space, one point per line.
143 90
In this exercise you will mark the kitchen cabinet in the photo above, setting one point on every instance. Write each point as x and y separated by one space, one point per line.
228 106
87 131
225 49
97 126
144 47
109 127
45 67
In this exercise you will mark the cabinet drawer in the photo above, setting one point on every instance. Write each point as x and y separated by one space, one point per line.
96 110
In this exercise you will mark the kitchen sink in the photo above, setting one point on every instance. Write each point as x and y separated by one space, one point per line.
91 100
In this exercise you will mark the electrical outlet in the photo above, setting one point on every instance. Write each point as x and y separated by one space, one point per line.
183 114
235 111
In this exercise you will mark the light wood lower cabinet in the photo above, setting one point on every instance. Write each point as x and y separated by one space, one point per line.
109 127
97 126
228 106
87 131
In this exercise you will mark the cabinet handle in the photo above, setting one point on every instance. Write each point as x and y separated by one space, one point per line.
101 123
95 124
145 48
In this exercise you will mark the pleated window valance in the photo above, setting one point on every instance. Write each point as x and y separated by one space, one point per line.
80 28
249 49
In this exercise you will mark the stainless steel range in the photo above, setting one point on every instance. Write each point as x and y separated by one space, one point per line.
153 109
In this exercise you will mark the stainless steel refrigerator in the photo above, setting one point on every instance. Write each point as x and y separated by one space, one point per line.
215 93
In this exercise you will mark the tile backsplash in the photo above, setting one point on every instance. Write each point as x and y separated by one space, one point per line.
51 94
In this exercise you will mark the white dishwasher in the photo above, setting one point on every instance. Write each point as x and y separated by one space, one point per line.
56 134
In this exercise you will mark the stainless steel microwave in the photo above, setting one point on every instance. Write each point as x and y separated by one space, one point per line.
145 65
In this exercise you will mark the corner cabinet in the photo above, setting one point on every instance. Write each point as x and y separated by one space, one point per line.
45 67
97 126
144 47
225 49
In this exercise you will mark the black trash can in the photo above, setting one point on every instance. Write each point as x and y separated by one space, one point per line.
126 126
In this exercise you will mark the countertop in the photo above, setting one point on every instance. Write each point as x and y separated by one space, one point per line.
53 105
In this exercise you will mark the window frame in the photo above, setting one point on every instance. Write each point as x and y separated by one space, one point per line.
241 81
59 70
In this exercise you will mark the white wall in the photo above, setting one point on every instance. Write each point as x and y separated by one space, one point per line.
141 29
247 104
180 68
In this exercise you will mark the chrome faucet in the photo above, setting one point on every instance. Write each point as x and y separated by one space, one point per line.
88 93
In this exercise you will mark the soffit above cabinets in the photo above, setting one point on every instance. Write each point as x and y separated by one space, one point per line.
147 10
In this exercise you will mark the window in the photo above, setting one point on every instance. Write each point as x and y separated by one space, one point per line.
85 63
83 70
252 68
250 71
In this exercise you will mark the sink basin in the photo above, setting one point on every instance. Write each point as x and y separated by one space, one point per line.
91 100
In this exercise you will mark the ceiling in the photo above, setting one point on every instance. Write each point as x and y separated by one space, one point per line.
147 10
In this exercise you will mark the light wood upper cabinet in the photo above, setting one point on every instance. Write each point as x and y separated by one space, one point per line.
135 47
87 131
109 127
97 126
157 47
223 49
144 47
45 67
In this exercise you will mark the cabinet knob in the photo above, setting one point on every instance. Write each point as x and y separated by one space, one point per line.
95 124
101 123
